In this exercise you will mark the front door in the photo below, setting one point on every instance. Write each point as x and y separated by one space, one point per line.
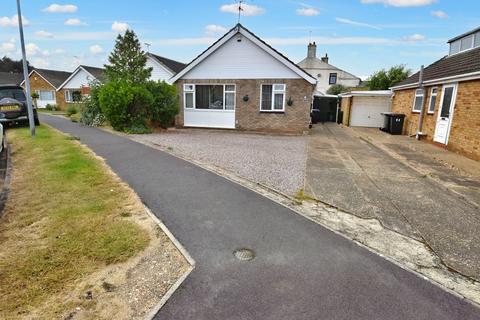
445 114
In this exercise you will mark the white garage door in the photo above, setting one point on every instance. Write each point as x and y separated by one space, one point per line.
367 111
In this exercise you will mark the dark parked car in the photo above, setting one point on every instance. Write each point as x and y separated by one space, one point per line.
13 105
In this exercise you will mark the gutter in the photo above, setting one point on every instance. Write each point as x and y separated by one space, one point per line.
463 77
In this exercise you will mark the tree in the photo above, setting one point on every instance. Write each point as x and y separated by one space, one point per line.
383 80
127 60
165 103
15 66
337 89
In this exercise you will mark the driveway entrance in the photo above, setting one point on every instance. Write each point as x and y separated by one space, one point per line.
356 175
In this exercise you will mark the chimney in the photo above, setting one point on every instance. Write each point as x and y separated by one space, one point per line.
325 59
312 50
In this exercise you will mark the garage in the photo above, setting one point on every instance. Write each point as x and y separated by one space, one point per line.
365 108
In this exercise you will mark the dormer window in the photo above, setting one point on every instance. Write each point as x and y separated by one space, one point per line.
465 42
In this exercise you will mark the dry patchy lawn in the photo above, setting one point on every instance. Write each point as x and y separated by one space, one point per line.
68 225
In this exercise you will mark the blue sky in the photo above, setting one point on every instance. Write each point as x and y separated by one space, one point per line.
360 36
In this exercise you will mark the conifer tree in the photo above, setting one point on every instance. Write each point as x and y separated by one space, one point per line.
128 61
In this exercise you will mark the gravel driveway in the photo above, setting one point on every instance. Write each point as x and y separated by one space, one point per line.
277 161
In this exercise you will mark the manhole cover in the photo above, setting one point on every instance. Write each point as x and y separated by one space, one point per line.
244 254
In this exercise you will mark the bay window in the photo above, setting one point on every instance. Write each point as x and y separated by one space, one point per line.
272 97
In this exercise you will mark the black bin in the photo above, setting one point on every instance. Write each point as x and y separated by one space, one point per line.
393 122
316 116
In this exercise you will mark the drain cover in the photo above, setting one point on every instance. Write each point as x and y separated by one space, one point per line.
244 254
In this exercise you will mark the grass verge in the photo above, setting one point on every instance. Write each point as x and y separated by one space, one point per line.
65 219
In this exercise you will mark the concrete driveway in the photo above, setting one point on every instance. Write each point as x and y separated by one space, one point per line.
359 176
301 270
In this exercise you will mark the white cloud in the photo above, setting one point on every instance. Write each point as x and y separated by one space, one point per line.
85 36
74 22
410 40
247 9
308 12
40 63
439 14
33 50
402 3
414 38
44 34
356 23
59 51
213 29
7 47
120 27
96 49
13 21
59 8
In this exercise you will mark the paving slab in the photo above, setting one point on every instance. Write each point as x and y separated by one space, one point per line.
301 270
401 198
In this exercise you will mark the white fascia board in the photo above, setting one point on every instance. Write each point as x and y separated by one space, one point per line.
73 75
31 72
255 40
204 55
274 54
159 63
462 77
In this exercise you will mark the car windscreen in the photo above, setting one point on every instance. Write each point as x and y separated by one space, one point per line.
13 93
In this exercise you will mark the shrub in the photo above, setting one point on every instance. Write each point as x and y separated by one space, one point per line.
91 114
71 109
165 103
125 104
75 117
49 107
337 89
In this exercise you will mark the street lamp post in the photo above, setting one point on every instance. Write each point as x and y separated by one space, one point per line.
31 120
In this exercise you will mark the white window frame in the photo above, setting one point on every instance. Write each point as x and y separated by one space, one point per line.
193 91
429 111
68 93
417 95
187 90
39 95
283 91
330 78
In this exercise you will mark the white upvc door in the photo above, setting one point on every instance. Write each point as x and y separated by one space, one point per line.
445 114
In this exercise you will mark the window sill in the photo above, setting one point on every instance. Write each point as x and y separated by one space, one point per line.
414 111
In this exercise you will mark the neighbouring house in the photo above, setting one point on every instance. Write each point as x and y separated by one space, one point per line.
11 78
46 83
326 74
77 85
450 98
240 82
365 108
163 69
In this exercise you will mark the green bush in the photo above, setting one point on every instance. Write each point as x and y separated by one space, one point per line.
49 107
71 109
91 114
165 103
125 104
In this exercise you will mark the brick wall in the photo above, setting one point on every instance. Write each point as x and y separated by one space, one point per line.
295 119
38 83
465 131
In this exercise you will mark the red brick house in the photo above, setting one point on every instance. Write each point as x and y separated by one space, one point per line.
240 82
450 99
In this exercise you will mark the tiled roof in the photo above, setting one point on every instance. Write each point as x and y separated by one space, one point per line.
55 77
10 78
455 65
173 65
98 73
